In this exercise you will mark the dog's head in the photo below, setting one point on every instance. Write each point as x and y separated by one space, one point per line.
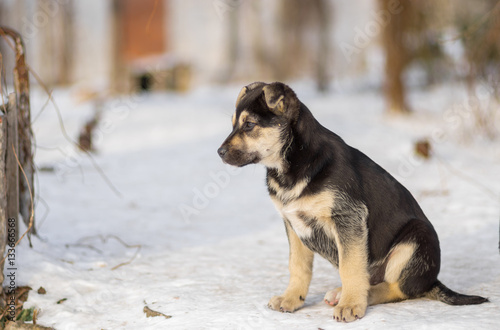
261 125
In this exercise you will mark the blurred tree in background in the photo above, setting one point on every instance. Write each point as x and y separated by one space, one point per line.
57 45
300 45
480 34
408 38
304 36
417 37
396 55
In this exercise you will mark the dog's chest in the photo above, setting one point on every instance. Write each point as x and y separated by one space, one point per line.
310 218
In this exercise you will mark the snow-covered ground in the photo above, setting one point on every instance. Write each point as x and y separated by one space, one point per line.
202 243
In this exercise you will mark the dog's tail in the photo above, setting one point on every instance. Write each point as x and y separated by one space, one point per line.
440 292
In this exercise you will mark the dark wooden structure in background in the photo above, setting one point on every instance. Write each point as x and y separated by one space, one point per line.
20 134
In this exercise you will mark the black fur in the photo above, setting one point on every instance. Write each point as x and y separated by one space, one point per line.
442 293
320 243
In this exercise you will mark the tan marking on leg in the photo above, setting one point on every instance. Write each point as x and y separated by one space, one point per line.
385 293
300 266
398 259
353 269
353 260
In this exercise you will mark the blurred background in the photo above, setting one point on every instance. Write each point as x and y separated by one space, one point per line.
125 46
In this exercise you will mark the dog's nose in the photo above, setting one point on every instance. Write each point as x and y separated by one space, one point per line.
222 151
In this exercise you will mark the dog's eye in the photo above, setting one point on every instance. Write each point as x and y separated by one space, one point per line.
248 126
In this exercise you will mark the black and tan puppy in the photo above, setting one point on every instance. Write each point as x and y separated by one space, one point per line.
337 202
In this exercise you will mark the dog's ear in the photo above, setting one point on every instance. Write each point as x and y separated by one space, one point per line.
274 94
246 89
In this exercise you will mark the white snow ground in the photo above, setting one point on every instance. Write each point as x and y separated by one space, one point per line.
217 268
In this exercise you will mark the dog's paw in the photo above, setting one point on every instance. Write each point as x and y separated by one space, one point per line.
285 304
349 312
332 297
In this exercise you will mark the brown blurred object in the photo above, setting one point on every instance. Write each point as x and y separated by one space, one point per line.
141 60
407 38
423 148
396 55
142 28
298 20
86 133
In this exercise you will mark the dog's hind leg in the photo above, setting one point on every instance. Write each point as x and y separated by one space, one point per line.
419 273
385 293
300 266
411 265
412 270
388 290
378 294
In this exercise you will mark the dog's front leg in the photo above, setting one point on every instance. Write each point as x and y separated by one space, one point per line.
353 269
300 266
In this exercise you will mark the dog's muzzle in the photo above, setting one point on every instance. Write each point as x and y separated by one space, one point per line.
222 151
237 157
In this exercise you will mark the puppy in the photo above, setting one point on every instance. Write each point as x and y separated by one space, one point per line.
337 202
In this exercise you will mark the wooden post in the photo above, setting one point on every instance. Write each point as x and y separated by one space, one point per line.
11 166
3 196
25 154
396 56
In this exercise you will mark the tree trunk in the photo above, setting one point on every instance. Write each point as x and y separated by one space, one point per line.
303 40
396 57
291 53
